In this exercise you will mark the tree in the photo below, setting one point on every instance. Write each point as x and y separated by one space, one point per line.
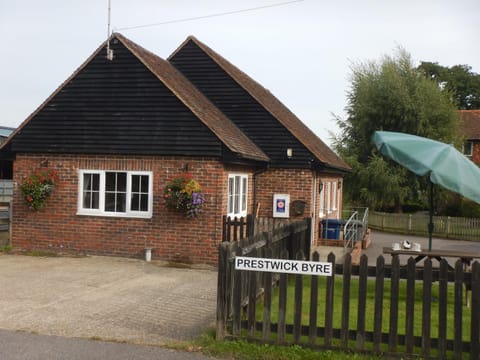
392 95
460 80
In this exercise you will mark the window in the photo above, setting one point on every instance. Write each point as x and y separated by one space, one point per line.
322 199
334 196
328 197
468 148
237 195
115 193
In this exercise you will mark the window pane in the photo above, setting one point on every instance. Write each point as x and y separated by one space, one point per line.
144 184
109 201
110 181
244 194
230 195
91 189
122 182
144 202
121 202
135 202
139 193
135 183
236 200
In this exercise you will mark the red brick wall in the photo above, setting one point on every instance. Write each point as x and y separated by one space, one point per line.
172 236
298 184
476 153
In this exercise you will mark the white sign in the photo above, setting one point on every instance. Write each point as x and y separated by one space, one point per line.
281 205
283 266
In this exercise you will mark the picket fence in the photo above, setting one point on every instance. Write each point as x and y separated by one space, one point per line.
241 295
417 224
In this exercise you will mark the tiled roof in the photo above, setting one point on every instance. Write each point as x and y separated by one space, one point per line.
213 118
264 97
471 124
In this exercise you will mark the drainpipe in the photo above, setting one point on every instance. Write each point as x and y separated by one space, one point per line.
313 209
255 174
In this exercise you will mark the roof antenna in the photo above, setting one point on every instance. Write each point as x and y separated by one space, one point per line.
109 51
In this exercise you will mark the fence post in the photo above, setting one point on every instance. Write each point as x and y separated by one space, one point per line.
347 274
379 287
427 308
222 287
410 306
312 326
394 290
250 225
329 302
457 312
362 302
442 309
282 301
475 320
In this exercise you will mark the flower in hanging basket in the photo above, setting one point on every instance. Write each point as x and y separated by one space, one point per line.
185 194
36 188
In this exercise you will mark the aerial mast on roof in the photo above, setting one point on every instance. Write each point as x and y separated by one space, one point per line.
109 51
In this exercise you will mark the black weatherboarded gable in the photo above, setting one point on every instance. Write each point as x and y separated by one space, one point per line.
113 107
195 104
239 106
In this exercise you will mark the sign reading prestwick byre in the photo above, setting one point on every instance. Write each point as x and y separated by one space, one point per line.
283 266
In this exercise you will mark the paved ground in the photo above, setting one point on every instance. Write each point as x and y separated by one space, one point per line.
128 300
21 346
380 240
105 298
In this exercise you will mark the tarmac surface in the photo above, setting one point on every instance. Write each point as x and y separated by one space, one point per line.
105 298
381 240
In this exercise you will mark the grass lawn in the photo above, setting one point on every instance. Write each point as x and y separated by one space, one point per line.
370 306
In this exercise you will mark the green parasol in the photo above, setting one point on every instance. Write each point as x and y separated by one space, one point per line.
447 166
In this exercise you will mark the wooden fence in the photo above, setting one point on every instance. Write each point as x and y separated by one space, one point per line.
417 224
401 310
240 228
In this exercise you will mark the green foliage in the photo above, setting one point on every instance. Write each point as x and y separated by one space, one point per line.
243 350
391 95
6 248
36 188
185 194
460 80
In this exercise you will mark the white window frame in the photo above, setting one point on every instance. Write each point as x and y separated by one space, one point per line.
322 201
468 148
101 210
237 200
329 198
334 196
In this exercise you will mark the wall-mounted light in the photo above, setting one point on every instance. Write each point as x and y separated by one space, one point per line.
320 186
289 153
339 185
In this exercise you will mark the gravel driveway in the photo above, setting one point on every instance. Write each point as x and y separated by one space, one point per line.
105 298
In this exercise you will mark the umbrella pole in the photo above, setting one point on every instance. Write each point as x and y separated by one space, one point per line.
430 224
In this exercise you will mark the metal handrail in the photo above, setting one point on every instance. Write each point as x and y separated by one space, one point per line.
350 231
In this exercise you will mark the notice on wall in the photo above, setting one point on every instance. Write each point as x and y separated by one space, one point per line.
283 266
281 205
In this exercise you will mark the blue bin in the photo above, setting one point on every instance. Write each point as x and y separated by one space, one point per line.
331 228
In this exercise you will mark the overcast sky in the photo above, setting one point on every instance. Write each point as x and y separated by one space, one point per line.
301 51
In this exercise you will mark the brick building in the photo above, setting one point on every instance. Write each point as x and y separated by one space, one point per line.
128 122
471 130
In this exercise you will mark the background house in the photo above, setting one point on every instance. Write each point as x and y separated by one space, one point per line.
127 122
471 131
